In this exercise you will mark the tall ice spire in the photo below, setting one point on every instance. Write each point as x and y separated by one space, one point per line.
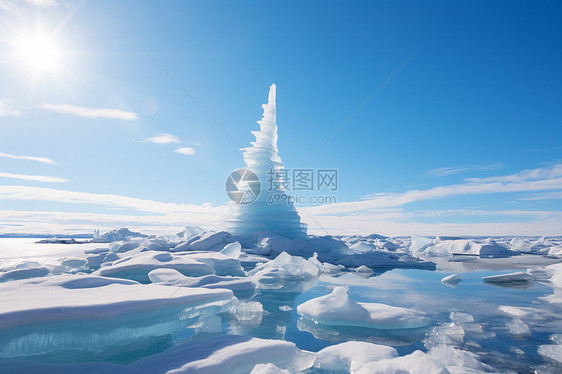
272 210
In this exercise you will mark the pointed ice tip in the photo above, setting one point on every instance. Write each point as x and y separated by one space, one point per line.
271 99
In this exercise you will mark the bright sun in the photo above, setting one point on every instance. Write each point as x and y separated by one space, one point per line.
38 52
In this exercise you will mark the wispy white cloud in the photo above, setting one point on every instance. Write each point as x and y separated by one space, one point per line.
16 6
185 151
42 3
528 180
90 112
157 216
163 139
370 223
109 200
43 160
554 171
383 213
35 178
543 196
8 107
440 172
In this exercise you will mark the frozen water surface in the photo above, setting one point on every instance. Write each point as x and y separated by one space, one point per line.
237 311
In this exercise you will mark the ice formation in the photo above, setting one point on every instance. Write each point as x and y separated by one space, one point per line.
84 313
184 319
351 356
241 286
270 211
137 267
338 309
452 279
519 276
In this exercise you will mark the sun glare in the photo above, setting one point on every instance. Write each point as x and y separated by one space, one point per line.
38 52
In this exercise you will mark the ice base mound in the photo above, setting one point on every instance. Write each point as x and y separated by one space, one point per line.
75 315
339 310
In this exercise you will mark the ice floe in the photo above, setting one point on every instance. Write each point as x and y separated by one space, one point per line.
519 276
452 279
138 266
41 316
241 286
337 308
351 356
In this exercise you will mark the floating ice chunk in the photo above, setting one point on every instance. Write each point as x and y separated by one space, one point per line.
515 311
248 313
351 356
414 363
241 286
457 360
551 352
338 309
287 267
461 317
232 250
517 351
556 338
285 308
509 278
138 266
364 270
447 333
452 279
325 267
518 328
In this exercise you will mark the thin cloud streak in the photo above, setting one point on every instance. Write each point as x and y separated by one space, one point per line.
90 112
527 180
43 160
163 139
8 107
188 151
543 196
74 197
35 178
440 172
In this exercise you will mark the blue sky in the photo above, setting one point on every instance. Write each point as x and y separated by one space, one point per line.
462 136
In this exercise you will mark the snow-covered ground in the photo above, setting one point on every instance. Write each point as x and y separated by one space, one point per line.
212 302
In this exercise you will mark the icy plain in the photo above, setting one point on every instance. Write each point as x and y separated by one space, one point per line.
212 302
